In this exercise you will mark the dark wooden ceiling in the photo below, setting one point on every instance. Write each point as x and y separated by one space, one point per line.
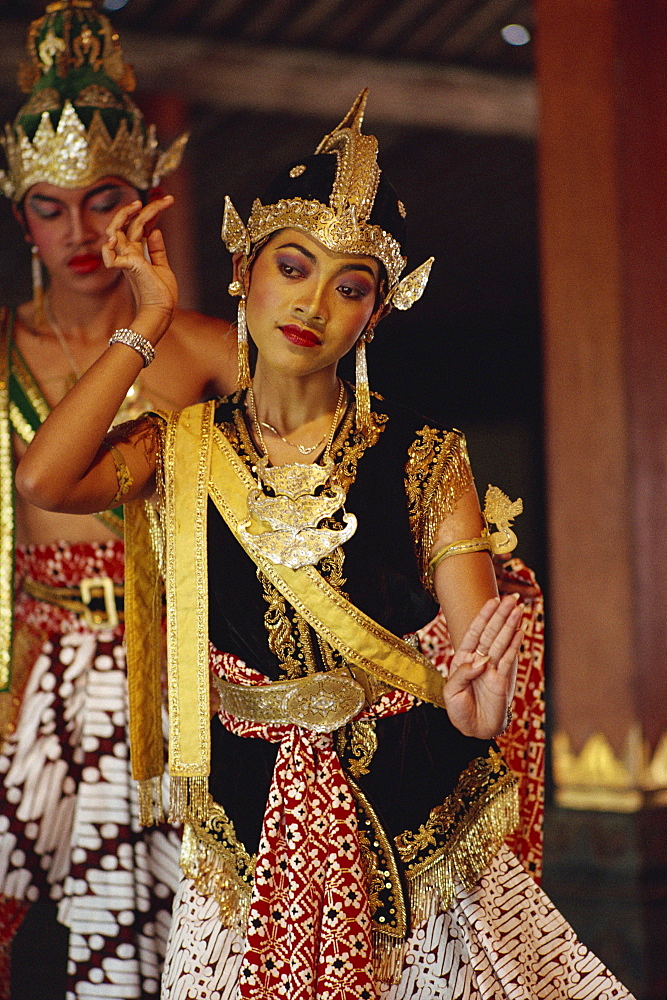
452 32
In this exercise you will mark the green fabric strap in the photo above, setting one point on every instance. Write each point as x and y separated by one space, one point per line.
28 409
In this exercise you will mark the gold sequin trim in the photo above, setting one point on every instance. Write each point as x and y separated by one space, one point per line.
461 836
95 96
219 865
29 387
356 745
46 99
437 474
6 513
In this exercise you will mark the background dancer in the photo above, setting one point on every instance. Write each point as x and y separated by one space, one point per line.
77 151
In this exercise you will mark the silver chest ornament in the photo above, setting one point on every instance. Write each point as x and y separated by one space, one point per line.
291 518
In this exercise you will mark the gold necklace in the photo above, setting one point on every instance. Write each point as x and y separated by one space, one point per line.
301 497
60 337
302 449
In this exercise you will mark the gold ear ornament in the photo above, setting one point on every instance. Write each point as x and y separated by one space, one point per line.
410 288
234 233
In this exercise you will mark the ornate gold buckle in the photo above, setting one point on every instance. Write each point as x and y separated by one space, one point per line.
95 619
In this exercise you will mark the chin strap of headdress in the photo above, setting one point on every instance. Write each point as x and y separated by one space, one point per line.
79 122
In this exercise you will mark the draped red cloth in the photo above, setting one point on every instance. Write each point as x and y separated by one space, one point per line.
309 927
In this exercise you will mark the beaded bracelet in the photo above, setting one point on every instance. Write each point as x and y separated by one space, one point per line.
134 340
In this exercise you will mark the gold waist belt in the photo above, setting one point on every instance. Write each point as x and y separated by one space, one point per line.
97 600
320 702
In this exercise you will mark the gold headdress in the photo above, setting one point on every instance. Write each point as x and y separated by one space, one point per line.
342 200
339 196
79 122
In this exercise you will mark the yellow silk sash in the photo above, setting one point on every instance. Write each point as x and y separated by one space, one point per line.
360 640
198 462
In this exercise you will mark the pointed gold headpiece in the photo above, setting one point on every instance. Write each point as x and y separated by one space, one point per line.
350 208
79 122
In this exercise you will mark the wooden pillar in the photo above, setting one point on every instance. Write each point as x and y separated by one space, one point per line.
602 78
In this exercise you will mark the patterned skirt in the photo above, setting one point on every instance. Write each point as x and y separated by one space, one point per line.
503 940
69 829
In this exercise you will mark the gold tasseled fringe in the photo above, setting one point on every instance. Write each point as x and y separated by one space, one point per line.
437 474
151 808
432 890
214 874
188 798
388 954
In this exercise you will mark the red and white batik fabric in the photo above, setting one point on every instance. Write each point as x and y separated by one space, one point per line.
503 940
69 827
308 933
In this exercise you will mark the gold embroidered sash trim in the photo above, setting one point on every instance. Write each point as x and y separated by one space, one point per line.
6 513
144 667
187 455
320 702
360 640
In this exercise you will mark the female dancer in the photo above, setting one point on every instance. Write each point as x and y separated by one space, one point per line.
344 829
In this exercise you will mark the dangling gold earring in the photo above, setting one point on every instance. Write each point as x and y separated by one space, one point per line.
362 390
37 285
243 378
243 381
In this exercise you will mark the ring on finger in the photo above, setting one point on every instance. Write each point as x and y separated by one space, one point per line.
482 652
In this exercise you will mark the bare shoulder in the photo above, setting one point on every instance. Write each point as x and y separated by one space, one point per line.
207 345
193 328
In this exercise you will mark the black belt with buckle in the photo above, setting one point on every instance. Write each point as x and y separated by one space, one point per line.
97 600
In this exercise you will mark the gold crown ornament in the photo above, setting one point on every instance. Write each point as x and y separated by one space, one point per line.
79 122
338 196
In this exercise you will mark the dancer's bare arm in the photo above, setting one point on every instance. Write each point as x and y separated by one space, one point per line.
485 630
68 466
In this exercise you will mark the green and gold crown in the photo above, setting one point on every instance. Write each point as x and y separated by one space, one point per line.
338 195
79 122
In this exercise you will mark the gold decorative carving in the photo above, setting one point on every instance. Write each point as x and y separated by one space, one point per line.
437 474
595 778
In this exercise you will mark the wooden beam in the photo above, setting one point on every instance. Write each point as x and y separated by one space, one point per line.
232 76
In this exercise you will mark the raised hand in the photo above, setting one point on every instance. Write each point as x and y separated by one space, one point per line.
151 278
483 671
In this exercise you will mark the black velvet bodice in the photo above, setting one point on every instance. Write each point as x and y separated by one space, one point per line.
420 754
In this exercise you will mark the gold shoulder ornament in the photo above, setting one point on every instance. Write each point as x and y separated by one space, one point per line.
498 510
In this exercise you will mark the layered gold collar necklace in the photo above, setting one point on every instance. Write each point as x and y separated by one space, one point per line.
285 526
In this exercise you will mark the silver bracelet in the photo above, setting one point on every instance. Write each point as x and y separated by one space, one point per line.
134 340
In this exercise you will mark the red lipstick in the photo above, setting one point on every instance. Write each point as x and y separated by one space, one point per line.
84 263
300 336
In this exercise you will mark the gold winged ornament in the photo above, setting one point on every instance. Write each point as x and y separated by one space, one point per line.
501 511
498 510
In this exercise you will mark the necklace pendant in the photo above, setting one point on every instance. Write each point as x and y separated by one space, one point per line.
292 535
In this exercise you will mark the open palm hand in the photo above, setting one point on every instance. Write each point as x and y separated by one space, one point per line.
151 278
483 670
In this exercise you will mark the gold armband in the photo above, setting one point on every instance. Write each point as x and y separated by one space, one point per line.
123 475
498 510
